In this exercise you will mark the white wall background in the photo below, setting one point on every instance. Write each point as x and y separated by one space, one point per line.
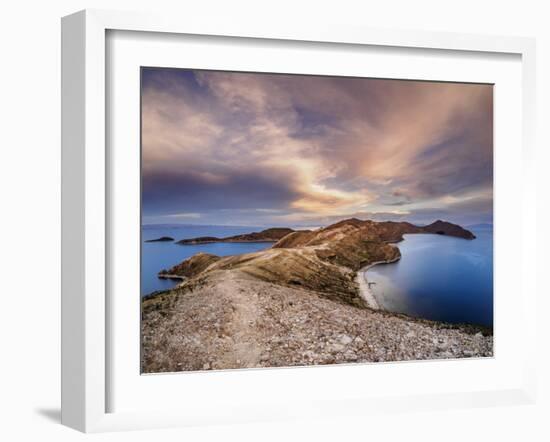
30 215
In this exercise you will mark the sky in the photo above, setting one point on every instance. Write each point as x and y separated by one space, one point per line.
253 149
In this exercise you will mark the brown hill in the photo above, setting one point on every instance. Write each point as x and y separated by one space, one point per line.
444 228
384 231
191 266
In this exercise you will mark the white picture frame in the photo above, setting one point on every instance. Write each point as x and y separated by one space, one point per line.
86 316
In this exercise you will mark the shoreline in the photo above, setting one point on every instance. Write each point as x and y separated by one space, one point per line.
364 291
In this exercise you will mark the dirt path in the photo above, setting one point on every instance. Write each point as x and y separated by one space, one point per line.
244 351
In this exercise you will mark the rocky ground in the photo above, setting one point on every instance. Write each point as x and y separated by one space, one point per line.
235 321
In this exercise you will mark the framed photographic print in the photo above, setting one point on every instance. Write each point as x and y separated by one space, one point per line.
267 199
252 213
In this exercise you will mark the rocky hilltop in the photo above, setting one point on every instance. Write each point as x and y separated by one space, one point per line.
269 235
297 303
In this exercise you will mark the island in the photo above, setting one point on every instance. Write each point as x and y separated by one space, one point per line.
161 239
299 302
269 235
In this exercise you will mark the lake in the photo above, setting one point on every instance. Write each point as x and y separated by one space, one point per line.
440 278
156 256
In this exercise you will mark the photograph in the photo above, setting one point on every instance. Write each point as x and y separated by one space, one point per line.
293 220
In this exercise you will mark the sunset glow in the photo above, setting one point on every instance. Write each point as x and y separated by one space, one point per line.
269 149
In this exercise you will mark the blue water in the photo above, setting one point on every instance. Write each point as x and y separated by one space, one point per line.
440 278
156 256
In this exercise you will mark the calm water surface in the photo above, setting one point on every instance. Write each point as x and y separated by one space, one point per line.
440 278
156 256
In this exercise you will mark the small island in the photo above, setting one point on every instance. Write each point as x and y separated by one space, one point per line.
299 302
161 239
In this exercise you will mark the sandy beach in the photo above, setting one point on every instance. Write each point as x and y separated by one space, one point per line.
364 291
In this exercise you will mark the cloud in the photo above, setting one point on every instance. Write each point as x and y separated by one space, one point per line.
184 215
311 146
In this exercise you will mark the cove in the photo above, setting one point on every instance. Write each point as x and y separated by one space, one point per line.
440 278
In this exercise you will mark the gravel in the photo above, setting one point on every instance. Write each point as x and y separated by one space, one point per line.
234 321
